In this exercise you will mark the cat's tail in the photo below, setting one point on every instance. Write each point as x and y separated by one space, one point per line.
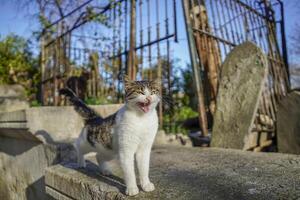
81 108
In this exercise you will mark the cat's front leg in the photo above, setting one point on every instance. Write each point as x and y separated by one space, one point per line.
143 160
127 165
80 156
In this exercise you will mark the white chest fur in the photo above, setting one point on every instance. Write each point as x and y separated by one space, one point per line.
134 129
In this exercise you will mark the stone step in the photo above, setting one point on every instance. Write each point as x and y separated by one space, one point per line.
15 116
49 124
69 182
188 173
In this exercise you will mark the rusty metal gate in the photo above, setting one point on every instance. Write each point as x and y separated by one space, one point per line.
104 42
215 27
98 43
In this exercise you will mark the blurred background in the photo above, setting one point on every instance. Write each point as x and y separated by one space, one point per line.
88 46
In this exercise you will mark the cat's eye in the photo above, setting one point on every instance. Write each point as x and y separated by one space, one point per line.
154 91
141 92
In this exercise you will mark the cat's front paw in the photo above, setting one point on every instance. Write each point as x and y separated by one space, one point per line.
81 165
131 191
148 187
105 172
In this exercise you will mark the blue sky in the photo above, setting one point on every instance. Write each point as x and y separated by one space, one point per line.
14 19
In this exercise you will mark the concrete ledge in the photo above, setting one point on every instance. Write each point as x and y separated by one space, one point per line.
68 182
190 173
32 140
49 124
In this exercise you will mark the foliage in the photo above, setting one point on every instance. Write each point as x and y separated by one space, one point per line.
18 65
182 104
35 103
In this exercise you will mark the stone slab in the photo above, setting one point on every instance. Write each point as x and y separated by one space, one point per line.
49 124
242 77
79 184
12 104
192 173
30 141
12 91
15 116
22 168
288 124
56 195
60 124
12 98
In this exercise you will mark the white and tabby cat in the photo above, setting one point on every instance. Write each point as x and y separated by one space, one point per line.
127 134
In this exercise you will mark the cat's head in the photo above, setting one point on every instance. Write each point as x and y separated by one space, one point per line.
142 96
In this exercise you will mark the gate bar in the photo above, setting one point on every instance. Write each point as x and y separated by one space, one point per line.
195 66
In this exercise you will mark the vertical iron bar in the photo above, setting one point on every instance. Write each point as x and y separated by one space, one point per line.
239 13
149 39
196 74
114 63
126 35
284 44
220 26
159 68
131 71
224 21
43 65
119 51
168 47
231 8
141 40
230 19
175 21
252 25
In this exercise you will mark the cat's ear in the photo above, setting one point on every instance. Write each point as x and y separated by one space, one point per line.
126 78
127 82
156 82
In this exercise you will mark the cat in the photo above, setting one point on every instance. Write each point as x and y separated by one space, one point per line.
127 134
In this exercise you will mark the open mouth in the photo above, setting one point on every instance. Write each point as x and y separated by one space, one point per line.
145 107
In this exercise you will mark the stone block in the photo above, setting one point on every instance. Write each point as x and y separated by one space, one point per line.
243 74
82 184
10 91
188 173
288 124
12 98
30 141
250 141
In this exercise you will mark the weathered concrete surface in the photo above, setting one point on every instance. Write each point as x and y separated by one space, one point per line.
12 97
242 77
81 184
12 91
22 168
51 124
23 163
190 173
288 124
30 141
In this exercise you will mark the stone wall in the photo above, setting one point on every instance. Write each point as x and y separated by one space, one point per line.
12 97
22 168
33 139
288 124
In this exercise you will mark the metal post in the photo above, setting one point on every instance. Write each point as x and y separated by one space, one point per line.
283 41
131 57
42 68
195 66
159 67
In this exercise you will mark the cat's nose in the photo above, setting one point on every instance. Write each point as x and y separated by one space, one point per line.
148 98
